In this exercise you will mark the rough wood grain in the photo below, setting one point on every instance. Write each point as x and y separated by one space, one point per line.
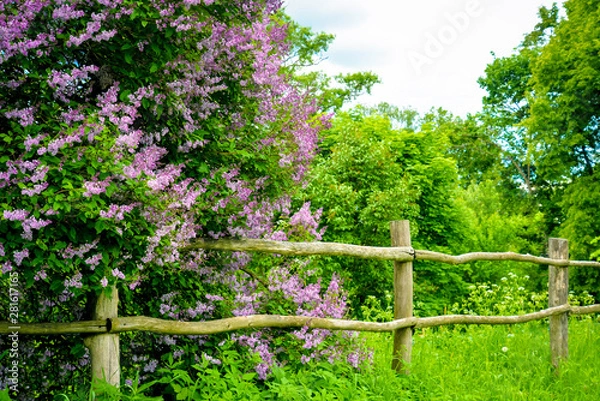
104 348
558 294
400 254
49 329
403 298
161 326
172 327
584 310
303 248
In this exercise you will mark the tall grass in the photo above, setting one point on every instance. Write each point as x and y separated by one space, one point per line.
491 363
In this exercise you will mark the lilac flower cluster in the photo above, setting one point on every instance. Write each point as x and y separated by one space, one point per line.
117 212
25 116
28 224
66 84
95 187
70 252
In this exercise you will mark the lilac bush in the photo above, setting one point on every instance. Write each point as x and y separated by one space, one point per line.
128 129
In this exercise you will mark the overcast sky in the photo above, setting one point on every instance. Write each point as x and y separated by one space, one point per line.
427 53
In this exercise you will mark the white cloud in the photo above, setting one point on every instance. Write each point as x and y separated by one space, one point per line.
428 54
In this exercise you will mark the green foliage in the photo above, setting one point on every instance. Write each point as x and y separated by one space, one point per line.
375 168
103 391
211 382
510 297
541 113
307 49
491 225
375 310
566 80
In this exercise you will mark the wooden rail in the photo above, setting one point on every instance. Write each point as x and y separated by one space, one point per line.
173 327
399 254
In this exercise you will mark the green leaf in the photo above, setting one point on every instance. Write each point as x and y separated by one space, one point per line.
128 58
124 96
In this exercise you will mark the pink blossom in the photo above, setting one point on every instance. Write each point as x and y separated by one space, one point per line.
20 255
36 190
6 267
16 215
93 261
95 187
118 274
25 115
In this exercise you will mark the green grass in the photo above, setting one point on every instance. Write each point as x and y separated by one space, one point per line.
491 363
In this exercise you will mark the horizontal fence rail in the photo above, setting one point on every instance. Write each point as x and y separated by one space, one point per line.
399 254
173 327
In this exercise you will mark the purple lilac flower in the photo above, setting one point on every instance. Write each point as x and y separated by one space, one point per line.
151 366
25 116
104 281
16 215
6 267
94 260
164 309
20 255
117 211
32 223
118 274
74 281
262 369
353 359
40 275
30 142
210 359
67 12
95 187
69 252
66 83
36 190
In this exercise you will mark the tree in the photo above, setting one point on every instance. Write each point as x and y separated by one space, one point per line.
543 100
565 118
370 173
307 50
129 129
500 143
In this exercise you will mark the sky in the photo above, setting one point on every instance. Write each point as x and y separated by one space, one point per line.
427 53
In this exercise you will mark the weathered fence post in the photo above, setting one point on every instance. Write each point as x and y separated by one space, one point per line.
558 294
104 348
403 298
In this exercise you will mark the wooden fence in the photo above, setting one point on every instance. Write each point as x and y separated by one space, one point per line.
103 331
